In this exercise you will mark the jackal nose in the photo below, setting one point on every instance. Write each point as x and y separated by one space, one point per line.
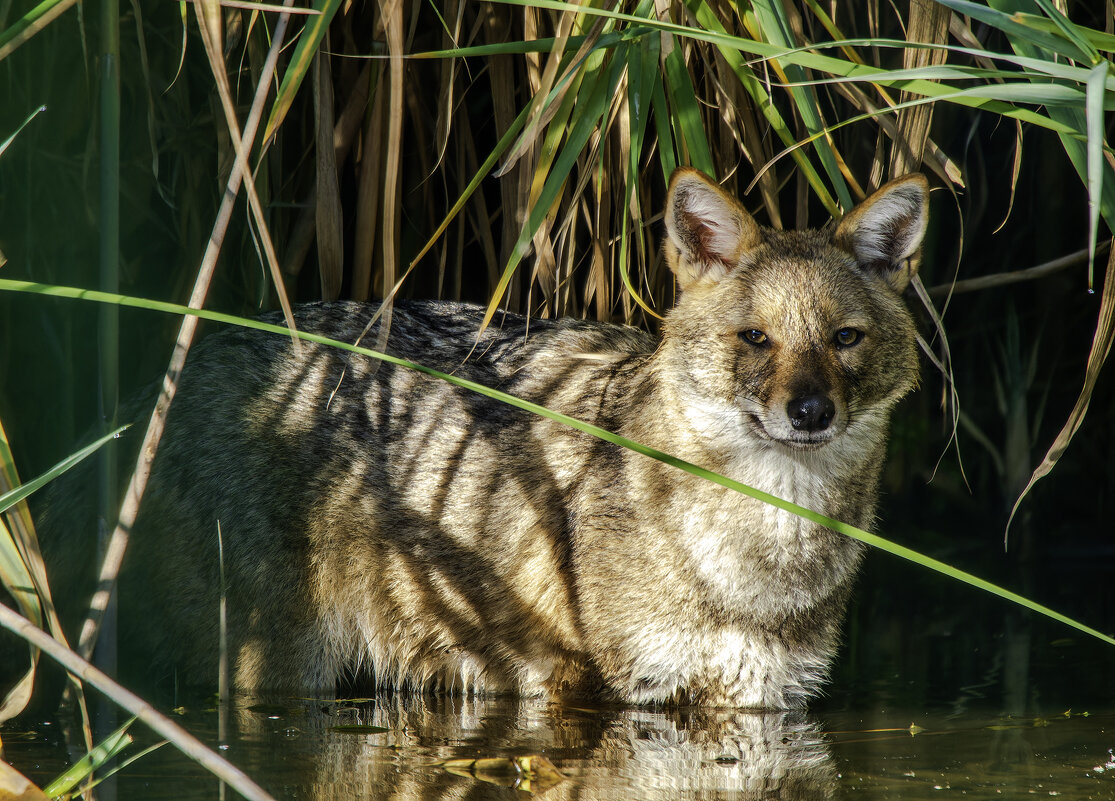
811 412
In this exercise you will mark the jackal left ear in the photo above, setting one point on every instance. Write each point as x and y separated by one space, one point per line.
885 230
708 229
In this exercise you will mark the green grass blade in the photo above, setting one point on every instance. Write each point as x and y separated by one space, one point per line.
821 63
1037 94
1016 29
667 147
1071 121
7 142
706 16
300 63
641 73
867 115
31 23
1075 144
1070 31
873 540
685 116
519 47
1097 85
14 496
1054 69
102 752
953 72
105 774
590 112
1100 40
771 15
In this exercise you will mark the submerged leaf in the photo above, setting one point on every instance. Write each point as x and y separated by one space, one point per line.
532 773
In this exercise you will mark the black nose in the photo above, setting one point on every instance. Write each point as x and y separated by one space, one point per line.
811 412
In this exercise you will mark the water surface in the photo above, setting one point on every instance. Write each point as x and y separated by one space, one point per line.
308 749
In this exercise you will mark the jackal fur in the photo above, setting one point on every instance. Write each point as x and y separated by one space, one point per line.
378 521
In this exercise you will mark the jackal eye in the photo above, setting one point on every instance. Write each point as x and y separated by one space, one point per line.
846 337
754 336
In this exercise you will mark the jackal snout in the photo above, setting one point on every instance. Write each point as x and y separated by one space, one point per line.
806 412
807 406
811 412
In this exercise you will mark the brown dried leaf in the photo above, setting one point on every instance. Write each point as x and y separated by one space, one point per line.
392 11
928 22
17 699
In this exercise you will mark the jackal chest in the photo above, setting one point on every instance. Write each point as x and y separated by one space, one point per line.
756 558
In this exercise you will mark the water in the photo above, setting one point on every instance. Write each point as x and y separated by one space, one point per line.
916 709
295 750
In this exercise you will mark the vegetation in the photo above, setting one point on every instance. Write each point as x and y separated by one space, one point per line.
515 153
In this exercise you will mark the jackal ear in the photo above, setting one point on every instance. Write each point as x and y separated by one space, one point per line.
885 230
708 229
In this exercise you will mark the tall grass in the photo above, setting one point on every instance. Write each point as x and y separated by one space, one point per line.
515 154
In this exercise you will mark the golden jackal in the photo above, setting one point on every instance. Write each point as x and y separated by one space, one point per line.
380 522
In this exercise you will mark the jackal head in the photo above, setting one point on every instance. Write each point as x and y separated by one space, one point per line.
795 338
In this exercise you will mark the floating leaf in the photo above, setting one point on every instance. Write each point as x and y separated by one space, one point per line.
532 773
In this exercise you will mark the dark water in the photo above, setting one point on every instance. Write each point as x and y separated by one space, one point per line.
939 691
294 749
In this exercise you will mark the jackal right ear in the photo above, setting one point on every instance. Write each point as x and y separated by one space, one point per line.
708 229
885 230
